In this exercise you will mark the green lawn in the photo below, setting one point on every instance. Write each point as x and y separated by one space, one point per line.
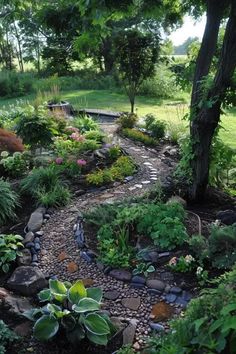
171 110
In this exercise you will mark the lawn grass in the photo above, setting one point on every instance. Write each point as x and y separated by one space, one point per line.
169 110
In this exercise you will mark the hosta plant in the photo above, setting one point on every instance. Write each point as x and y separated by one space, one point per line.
10 246
74 309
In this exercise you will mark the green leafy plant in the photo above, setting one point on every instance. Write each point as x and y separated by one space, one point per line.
182 264
36 126
199 246
85 123
209 324
114 152
58 196
121 168
126 349
144 268
8 202
114 246
155 126
73 309
40 178
222 246
127 120
16 164
10 246
137 135
96 135
7 337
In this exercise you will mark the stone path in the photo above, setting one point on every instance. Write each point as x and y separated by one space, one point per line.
60 256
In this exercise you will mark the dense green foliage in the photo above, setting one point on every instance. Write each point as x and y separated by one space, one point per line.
7 337
162 223
155 126
127 120
15 165
137 135
208 326
73 309
121 168
10 246
8 202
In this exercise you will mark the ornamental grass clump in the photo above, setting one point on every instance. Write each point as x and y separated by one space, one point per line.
9 200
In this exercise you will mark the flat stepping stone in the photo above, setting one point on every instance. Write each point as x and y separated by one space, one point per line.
146 182
147 163
131 188
131 303
144 156
111 295
156 284
138 186
154 178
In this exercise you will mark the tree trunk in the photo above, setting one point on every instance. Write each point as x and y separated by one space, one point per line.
132 105
19 55
205 120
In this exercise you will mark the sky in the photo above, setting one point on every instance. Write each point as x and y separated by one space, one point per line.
190 28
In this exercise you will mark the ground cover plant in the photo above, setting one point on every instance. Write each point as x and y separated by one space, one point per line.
119 227
7 337
137 135
121 168
208 325
73 309
8 202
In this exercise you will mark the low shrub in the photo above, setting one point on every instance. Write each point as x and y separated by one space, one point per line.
137 135
40 178
121 168
10 246
85 123
222 246
127 120
15 165
8 202
208 326
72 309
96 135
155 126
114 152
117 224
36 126
7 337
199 246
58 196
175 131
14 84
10 142
162 85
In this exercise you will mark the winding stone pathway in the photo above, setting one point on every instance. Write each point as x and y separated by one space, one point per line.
61 257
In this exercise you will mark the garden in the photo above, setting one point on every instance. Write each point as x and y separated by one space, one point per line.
117 224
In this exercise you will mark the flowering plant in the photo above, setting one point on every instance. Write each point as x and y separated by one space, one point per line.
202 276
182 264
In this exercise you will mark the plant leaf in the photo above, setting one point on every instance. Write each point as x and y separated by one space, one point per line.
96 324
45 295
45 327
86 305
95 293
58 289
77 292
101 340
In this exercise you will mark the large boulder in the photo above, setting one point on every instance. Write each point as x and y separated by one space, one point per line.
13 304
36 220
27 280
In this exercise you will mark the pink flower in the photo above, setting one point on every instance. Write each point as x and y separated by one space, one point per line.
80 138
74 136
81 162
59 160
173 261
73 129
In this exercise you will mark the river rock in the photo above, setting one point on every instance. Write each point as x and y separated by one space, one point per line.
156 284
29 238
27 280
228 217
121 274
25 259
36 219
131 303
111 295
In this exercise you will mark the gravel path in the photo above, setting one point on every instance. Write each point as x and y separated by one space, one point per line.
60 256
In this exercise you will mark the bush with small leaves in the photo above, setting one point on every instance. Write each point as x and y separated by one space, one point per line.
127 120
155 126
74 310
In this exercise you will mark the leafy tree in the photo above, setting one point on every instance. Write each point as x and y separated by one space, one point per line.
136 55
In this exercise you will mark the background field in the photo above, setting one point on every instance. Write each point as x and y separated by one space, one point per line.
170 110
